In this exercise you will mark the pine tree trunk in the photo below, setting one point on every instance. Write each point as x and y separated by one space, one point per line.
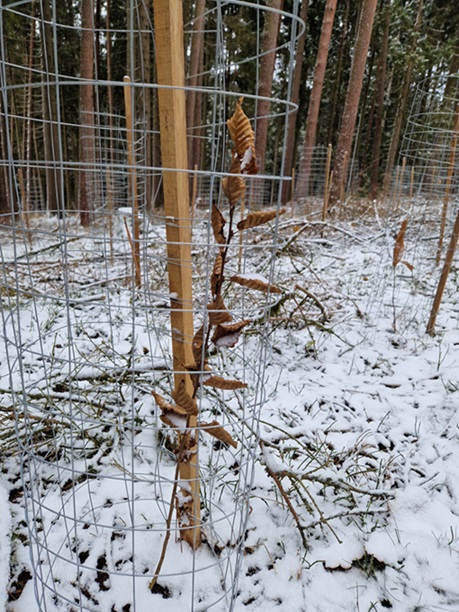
379 102
295 96
314 100
399 117
86 108
267 62
351 103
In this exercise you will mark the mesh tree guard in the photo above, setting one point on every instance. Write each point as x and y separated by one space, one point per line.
86 249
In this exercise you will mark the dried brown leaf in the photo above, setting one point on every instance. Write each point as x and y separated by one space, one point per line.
227 336
218 223
168 406
243 137
234 186
408 265
258 218
218 313
217 431
218 382
173 420
216 278
399 246
184 400
255 283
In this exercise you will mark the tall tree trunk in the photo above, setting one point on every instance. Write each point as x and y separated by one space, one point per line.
50 129
351 103
86 109
395 139
145 22
314 100
295 97
193 98
267 63
379 102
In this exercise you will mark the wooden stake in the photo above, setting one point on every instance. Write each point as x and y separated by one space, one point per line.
444 212
132 180
444 277
172 116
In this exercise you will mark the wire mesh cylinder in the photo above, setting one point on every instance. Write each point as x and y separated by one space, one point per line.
86 305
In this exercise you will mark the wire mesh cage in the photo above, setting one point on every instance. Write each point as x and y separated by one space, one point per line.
136 464
428 162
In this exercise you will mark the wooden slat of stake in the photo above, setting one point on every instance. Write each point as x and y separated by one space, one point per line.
172 117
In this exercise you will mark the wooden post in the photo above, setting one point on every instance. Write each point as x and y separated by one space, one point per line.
449 177
444 277
170 63
132 180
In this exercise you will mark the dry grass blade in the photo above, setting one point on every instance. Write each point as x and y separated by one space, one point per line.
184 400
217 431
399 246
218 223
227 336
242 135
218 313
218 382
258 218
167 406
258 284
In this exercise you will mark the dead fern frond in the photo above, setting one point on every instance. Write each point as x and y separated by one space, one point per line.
218 313
253 282
184 400
243 137
218 223
217 431
227 336
218 382
258 218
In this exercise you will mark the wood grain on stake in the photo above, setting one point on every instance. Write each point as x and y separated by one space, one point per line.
171 101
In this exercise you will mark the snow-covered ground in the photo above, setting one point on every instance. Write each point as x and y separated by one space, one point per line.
355 502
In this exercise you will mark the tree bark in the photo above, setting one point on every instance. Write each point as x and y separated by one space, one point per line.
267 63
379 113
295 97
314 100
86 109
351 103
395 139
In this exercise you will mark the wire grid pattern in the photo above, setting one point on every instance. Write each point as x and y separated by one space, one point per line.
85 346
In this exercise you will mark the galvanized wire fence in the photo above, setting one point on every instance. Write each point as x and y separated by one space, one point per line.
86 317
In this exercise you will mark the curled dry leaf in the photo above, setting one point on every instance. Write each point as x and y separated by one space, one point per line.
218 223
252 282
399 246
258 218
227 336
242 135
218 313
217 431
167 406
216 278
184 400
218 382
172 419
234 186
